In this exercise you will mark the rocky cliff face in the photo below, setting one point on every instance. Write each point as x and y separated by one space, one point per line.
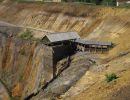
25 72
21 65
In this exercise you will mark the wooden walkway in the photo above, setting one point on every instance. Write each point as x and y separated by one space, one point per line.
92 46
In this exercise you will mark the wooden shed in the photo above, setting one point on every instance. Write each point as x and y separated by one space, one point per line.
60 37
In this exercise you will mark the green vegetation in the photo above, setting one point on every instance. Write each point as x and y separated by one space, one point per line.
26 35
125 6
111 77
87 2
28 1
97 2
108 2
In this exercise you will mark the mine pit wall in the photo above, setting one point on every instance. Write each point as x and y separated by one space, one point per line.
44 72
48 63
27 66
23 65
48 70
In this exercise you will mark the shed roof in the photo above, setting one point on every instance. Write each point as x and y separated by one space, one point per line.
62 36
90 42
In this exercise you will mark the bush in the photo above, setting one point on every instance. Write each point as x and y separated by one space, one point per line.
111 77
108 2
26 35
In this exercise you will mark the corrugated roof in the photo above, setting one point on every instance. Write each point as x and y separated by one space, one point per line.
62 36
90 42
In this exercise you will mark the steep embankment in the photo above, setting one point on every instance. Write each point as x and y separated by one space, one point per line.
21 65
91 22
104 23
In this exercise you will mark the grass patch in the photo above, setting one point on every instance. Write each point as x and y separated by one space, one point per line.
111 77
28 1
26 35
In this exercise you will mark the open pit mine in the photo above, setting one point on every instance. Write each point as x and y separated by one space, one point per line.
64 51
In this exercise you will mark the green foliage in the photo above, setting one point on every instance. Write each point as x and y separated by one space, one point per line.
92 2
125 6
98 2
108 2
28 1
88 1
26 35
111 77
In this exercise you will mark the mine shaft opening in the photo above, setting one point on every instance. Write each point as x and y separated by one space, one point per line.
62 49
